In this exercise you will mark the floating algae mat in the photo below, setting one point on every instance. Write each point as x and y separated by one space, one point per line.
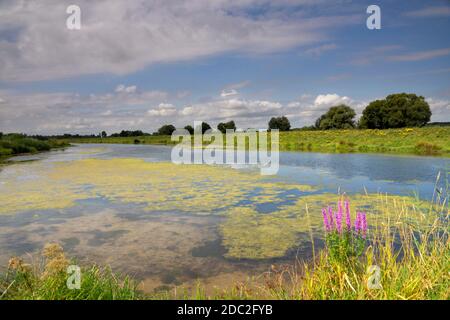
198 189
262 218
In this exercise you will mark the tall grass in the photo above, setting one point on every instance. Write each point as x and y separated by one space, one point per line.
46 279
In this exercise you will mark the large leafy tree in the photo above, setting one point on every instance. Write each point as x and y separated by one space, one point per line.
396 111
280 123
222 127
338 117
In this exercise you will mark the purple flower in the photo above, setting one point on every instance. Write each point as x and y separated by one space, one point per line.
358 222
330 217
326 223
347 215
364 224
339 218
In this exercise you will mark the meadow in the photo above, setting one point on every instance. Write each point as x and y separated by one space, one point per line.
433 141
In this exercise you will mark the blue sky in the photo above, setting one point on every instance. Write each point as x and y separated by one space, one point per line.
138 65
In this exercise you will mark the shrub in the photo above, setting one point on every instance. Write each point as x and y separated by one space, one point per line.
426 148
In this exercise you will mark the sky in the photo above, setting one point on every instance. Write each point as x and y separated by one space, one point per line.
136 65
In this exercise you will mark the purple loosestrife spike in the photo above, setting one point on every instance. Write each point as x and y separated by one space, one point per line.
348 221
358 222
326 223
330 217
364 224
339 221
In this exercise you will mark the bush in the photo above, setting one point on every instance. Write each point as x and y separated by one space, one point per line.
426 148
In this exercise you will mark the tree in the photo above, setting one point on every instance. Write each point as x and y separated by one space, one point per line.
338 117
205 127
396 111
189 129
222 127
104 134
166 130
280 123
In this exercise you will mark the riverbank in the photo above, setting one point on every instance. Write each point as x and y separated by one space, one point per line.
430 141
15 144
402 259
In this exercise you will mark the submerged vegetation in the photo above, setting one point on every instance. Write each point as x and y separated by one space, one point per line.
15 144
420 141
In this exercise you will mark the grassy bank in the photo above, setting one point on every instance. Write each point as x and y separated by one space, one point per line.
411 251
16 144
420 141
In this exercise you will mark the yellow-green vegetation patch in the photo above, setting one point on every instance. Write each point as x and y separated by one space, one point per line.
160 186
248 231
248 234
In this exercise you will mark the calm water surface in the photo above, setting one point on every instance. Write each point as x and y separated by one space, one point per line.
164 248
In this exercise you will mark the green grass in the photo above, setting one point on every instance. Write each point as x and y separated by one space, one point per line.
16 144
421 141
416 268
46 280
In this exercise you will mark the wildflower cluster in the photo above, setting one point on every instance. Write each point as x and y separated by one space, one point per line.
344 241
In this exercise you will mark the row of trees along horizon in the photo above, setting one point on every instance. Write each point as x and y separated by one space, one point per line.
395 111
